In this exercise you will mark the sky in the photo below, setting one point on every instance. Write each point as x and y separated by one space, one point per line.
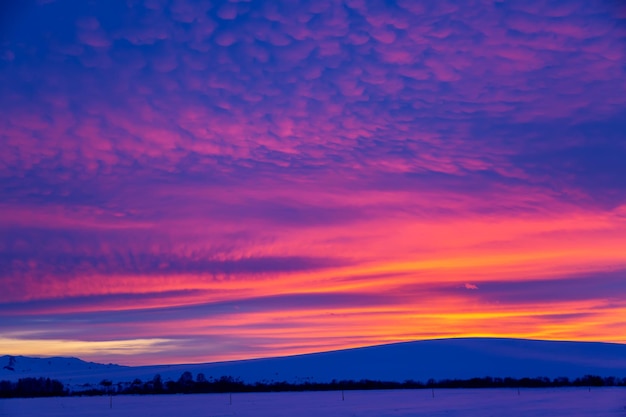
194 181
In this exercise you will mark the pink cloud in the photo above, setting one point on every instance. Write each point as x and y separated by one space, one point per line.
94 38
228 11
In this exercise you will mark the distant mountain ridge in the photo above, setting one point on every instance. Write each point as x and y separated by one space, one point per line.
460 358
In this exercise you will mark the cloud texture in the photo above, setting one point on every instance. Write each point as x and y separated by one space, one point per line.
229 178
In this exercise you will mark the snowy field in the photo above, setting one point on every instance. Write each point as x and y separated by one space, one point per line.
571 402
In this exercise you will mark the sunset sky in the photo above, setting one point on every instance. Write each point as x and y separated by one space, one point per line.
193 181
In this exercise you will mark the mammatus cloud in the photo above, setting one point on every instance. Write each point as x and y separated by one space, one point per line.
277 166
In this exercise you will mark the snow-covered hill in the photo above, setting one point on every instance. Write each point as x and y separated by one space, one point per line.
420 361
68 370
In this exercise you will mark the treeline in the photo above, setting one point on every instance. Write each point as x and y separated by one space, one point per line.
186 384
32 387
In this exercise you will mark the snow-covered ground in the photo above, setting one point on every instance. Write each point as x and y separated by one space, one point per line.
420 361
570 402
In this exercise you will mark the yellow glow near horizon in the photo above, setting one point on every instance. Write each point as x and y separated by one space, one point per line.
83 349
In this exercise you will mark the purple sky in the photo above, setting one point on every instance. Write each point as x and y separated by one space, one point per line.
204 180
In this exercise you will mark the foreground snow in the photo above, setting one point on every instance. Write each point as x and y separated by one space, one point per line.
571 402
